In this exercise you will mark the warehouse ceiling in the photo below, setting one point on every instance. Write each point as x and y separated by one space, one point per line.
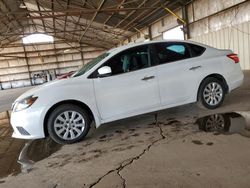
102 23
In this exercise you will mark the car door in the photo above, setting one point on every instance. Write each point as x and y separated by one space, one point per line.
131 88
177 73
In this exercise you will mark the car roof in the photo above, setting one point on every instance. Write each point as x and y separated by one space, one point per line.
130 45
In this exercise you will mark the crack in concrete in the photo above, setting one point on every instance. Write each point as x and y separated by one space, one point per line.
128 162
123 179
158 125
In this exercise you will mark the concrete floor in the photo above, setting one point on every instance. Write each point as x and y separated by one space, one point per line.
163 149
7 97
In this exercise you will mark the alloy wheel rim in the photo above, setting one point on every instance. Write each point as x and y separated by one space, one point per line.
213 93
69 125
215 123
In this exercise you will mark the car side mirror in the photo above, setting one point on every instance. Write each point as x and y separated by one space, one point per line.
104 71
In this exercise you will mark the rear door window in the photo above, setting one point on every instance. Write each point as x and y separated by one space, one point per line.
171 52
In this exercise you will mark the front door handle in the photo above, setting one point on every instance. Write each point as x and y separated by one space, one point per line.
147 78
194 68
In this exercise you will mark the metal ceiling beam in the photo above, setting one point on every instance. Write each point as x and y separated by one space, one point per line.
93 18
77 11
88 42
131 13
143 17
108 31
38 6
59 41
53 19
135 18
79 17
9 16
119 6
58 31
77 35
132 22
65 20
150 14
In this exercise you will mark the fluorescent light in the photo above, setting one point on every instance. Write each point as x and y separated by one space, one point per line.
37 38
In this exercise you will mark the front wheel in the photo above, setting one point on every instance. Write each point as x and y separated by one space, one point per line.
68 124
211 93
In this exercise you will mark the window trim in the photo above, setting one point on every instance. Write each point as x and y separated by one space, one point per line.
94 75
190 49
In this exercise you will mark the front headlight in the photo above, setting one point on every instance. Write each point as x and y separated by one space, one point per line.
23 104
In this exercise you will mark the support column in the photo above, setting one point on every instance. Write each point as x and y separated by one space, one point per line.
27 63
186 26
150 32
82 57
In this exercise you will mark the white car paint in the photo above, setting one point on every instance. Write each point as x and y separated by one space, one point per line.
125 95
112 103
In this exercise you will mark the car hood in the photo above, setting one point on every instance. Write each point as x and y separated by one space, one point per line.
47 86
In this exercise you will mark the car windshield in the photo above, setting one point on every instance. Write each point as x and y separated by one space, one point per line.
89 65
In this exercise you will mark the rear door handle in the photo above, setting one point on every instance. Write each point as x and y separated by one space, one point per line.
147 78
194 68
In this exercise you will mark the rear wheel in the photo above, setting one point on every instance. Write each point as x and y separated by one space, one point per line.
68 124
211 94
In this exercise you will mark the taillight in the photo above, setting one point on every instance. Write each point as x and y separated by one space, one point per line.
234 57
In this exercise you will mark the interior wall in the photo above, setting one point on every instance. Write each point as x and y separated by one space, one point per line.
237 39
229 29
21 65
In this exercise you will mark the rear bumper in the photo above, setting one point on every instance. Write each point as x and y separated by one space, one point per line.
236 82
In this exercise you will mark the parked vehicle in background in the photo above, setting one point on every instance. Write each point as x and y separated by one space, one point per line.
66 75
124 82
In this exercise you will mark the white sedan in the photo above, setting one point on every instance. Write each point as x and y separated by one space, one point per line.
124 82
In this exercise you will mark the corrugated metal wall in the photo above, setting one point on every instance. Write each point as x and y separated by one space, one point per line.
236 38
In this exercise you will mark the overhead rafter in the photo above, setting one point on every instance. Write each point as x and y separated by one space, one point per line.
93 18
65 20
145 15
74 12
118 7
98 21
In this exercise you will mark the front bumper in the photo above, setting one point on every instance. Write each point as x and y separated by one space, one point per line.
28 124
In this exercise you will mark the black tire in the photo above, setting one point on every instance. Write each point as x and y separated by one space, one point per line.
201 98
71 128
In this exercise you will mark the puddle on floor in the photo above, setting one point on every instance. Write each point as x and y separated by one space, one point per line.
226 123
17 155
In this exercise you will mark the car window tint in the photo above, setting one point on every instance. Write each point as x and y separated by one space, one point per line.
169 52
196 50
129 60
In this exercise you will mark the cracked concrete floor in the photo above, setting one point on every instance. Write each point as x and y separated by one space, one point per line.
163 149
